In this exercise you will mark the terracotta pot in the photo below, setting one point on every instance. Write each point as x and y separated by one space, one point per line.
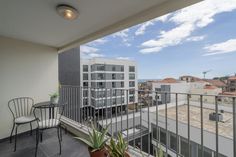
127 154
99 153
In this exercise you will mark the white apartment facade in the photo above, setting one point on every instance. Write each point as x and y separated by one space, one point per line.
173 87
108 83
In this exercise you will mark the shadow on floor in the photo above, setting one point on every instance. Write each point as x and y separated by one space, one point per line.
48 148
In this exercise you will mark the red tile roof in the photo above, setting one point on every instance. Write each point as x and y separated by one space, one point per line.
232 78
210 87
217 83
169 80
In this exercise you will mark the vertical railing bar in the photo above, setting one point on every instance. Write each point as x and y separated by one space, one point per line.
202 142
134 119
234 127
102 106
127 114
166 123
149 137
157 135
217 140
106 105
116 110
188 108
95 101
111 105
141 139
177 125
121 113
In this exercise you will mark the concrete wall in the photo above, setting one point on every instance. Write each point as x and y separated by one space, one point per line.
26 69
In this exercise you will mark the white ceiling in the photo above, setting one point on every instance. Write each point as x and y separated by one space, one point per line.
37 21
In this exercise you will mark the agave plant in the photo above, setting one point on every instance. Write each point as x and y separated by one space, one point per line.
119 148
97 140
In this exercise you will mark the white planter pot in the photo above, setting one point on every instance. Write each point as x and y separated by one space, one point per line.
54 100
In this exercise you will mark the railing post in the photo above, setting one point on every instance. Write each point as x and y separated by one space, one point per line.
166 124
127 114
202 142
234 127
188 108
177 125
217 140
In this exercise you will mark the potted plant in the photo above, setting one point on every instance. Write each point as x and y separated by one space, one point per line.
54 98
118 148
96 142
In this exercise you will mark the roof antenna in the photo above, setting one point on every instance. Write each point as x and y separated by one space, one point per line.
205 72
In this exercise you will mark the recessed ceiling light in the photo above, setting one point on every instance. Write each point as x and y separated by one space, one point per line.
67 12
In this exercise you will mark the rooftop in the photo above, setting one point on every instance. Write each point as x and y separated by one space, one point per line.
225 127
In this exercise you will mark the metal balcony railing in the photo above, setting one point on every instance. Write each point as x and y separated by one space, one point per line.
180 124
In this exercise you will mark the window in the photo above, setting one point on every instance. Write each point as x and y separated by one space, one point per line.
113 76
122 68
184 147
131 76
173 141
100 76
100 67
85 68
157 89
113 85
132 91
113 101
122 84
163 136
85 93
85 76
131 68
101 85
85 84
207 152
85 102
131 84
131 99
155 132
113 68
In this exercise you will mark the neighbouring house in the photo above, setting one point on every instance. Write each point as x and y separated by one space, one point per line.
231 84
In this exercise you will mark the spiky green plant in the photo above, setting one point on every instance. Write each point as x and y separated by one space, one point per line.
54 95
119 148
97 140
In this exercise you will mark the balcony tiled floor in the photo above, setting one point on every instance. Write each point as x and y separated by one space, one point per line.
48 148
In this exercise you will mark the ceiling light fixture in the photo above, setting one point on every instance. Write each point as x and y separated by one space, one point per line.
67 12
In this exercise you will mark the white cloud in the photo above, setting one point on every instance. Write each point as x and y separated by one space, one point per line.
89 52
97 42
142 27
124 35
124 58
196 38
188 20
221 48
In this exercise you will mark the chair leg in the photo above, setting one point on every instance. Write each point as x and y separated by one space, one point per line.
30 128
15 137
61 133
58 135
41 136
13 127
37 141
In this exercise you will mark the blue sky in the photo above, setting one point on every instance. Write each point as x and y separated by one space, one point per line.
186 42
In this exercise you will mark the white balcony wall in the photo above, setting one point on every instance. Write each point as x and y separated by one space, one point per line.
26 69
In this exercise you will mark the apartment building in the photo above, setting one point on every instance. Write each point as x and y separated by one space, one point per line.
171 85
109 83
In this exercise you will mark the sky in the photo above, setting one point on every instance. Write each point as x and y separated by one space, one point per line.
189 41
